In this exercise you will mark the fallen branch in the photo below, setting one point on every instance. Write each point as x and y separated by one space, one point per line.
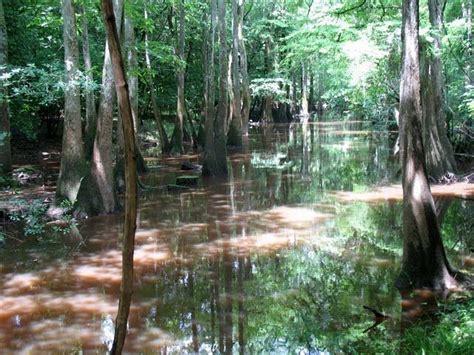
376 313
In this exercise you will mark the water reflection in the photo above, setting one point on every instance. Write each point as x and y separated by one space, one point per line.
272 259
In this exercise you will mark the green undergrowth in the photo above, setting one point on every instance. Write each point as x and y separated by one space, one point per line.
451 333
32 215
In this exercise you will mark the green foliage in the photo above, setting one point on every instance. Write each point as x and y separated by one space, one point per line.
32 215
272 87
32 90
67 221
466 106
7 182
451 333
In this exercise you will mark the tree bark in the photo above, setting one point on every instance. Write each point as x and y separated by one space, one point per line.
246 98
132 66
5 148
439 152
235 131
180 104
222 107
294 101
230 93
320 108
424 262
267 103
97 194
91 111
128 246
304 93
267 100
215 152
164 142
209 158
72 158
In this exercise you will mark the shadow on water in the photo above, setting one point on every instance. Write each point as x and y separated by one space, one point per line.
278 258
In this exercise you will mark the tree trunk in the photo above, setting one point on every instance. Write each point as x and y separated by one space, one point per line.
215 152
230 93
132 66
209 158
130 225
311 92
181 69
91 112
439 152
5 149
164 143
72 157
424 262
320 96
246 99
97 194
294 101
267 103
267 100
304 94
235 131
206 62
222 107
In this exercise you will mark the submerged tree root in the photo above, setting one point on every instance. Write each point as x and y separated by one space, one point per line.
451 178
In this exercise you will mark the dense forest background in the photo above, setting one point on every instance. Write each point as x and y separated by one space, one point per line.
347 52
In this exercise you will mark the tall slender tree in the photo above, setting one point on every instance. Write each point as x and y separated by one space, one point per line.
424 262
5 149
72 158
128 246
304 93
180 104
129 47
132 69
164 142
246 99
267 116
235 130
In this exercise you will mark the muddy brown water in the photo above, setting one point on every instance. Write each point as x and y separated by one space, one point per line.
270 259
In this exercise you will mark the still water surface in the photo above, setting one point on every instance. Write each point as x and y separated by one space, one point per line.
272 259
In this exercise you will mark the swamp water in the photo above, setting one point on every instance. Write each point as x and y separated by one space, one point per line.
276 258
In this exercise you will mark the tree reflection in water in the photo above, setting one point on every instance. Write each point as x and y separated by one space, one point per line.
269 260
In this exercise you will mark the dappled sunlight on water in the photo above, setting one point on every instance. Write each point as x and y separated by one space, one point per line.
280 247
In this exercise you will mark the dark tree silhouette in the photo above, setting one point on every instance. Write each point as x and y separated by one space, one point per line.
130 225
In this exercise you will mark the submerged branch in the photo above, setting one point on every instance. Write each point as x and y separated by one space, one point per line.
376 313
